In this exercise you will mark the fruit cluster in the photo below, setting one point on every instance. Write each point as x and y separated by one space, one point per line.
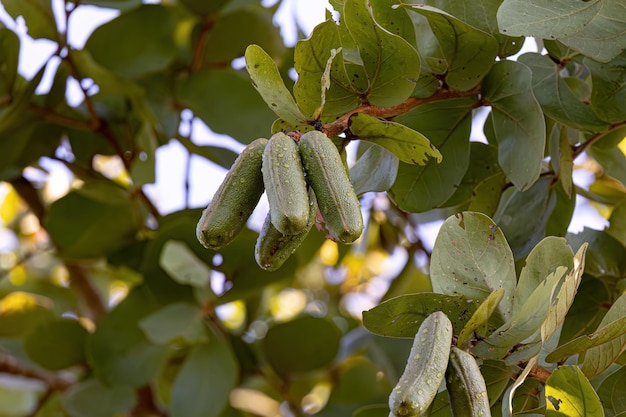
298 178
432 357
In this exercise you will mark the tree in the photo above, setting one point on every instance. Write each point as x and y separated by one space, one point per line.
110 308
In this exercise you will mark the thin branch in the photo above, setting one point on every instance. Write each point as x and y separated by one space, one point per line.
54 381
62 120
577 150
146 405
542 374
203 36
80 282
341 124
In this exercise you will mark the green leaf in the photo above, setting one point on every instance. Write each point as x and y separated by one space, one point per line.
10 49
524 322
518 122
174 324
604 37
472 258
269 83
221 156
611 393
21 314
358 382
373 410
612 160
603 335
217 96
375 170
203 383
113 4
92 221
482 15
617 223
310 58
595 28
469 53
301 345
408 145
143 168
401 316
557 100
57 344
523 216
118 351
549 254
374 64
234 30
447 124
587 311
569 393
483 182
37 14
390 62
545 20
91 398
497 377
183 266
599 358
142 39
480 317
565 297
606 257
203 7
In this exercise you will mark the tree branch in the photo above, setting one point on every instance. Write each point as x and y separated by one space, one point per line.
341 124
579 149
54 381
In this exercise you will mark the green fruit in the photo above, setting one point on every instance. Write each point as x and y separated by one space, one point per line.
285 185
235 199
273 248
466 386
425 368
328 177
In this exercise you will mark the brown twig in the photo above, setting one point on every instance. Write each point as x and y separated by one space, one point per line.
54 381
539 373
341 124
80 282
198 50
579 149
146 405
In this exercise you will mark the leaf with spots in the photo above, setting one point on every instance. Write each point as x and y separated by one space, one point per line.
408 145
268 82
472 258
402 316
569 393
596 28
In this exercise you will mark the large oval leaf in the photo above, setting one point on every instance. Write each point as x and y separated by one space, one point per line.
472 258
300 345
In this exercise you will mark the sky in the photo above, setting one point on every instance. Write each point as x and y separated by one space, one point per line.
169 190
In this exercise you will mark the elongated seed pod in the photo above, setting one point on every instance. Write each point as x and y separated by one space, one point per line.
235 199
467 390
273 248
425 368
329 179
285 186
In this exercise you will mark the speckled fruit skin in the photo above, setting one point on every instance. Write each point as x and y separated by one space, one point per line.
285 185
467 390
425 368
273 248
234 200
329 179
